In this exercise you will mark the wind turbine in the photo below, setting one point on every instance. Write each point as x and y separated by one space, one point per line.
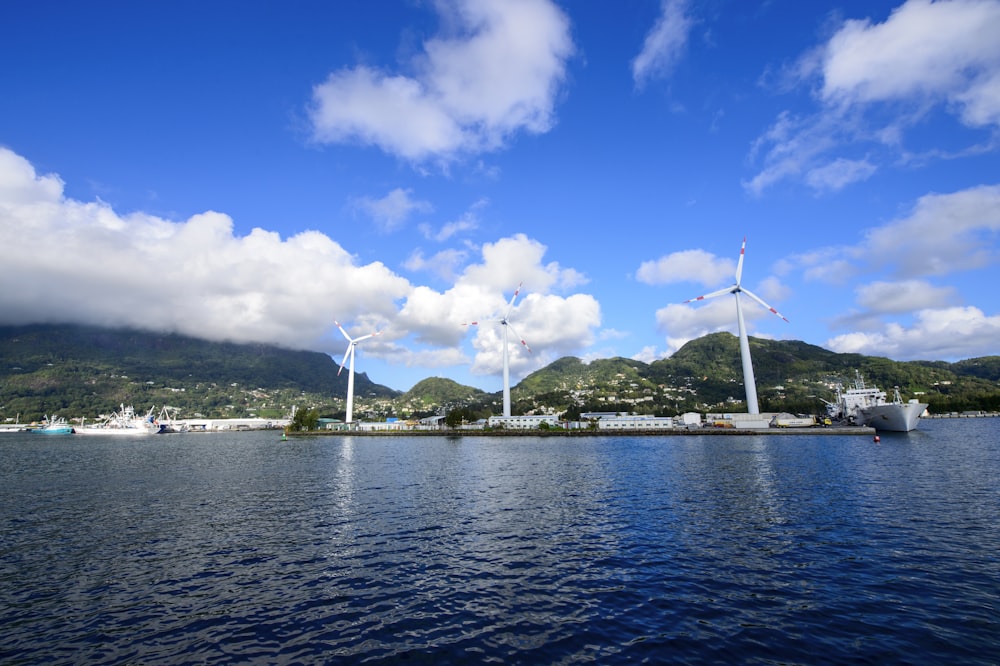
736 290
505 322
349 358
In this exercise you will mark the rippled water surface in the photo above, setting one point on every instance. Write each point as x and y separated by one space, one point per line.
240 548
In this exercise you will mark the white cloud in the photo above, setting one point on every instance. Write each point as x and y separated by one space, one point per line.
942 51
468 221
942 334
904 296
197 278
793 146
497 74
687 266
839 173
518 259
391 211
664 44
194 276
553 325
649 354
876 80
21 186
444 264
943 234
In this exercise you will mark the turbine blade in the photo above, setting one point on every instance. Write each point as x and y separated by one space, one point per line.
739 264
342 330
510 306
759 300
482 321
720 292
519 337
365 337
344 362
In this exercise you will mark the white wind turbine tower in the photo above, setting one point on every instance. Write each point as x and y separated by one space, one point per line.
748 380
505 322
349 358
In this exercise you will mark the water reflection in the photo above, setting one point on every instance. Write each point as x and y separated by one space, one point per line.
209 548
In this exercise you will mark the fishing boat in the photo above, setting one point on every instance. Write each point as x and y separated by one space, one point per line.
170 422
125 422
54 425
867 406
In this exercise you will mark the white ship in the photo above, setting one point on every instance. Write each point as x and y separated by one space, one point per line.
125 422
866 406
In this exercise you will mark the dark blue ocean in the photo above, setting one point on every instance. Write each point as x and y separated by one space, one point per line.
240 548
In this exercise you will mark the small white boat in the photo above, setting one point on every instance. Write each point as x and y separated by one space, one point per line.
125 422
867 406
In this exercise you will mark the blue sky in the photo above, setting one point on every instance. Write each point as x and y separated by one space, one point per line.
254 171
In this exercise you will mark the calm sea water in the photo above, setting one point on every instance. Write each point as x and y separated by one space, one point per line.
239 548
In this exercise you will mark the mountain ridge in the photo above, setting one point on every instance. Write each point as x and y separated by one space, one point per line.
85 370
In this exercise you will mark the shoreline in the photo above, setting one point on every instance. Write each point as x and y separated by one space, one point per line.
723 432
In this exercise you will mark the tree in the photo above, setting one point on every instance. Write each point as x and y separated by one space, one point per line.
305 419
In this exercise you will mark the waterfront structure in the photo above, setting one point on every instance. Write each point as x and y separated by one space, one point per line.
524 422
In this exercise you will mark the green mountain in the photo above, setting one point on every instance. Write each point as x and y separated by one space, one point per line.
438 391
706 374
86 371
78 371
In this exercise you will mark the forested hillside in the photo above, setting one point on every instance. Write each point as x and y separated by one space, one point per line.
85 371
76 371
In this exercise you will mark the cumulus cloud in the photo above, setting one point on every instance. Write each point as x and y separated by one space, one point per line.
876 80
687 266
496 74
391 211
664 44
941 51
681 322
553 324
68 261
940 235
97 267
904 296
943 233
941 334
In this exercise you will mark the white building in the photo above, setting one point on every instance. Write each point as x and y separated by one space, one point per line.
525 422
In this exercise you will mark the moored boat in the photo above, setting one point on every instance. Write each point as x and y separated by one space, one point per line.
125 422
867 406
54 425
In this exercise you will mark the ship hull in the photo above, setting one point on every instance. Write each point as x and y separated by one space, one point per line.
893 417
